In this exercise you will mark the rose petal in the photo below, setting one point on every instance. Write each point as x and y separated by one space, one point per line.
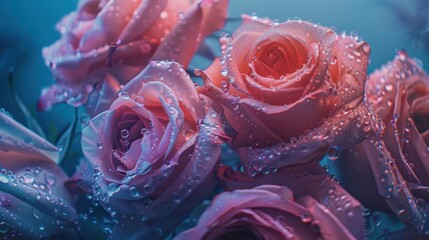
337 133
16 137
305 180
143 17
173 76
206 16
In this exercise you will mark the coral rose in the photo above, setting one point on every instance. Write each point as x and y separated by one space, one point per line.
290 91
106 43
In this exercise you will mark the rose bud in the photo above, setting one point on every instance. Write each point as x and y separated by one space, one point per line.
395 162
155 151
105 44
33 200
290 92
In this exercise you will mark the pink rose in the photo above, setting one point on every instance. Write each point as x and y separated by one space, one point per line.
397 160
155 150
106 43
310 205
290 91
33 200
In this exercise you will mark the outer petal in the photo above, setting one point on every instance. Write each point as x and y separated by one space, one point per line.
15 137
340 132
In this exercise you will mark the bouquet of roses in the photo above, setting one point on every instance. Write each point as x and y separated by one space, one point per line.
256 150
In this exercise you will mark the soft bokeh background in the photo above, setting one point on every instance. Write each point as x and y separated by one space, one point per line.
29 25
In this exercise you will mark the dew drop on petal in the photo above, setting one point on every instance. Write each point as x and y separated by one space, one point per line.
189 134
125 133
36 213
158 233
50 178
84 119
148 189
145 48
4 178
305 217
28 140
99 145
112 189
4 227
388 87
134 192
377 220
333 153
28 177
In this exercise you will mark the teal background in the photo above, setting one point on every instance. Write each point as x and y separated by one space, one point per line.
30 24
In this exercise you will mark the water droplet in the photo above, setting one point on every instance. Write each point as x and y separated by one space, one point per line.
28 177
148 189
145 48
333 153
124 95
164 14
305 218
125 133
4 178
36 213
84 119
89 88
27 140
99 144
158 233
112 189
388 87
366 48
169 99
377 220
41 227
181 15
189 134
134 192
50 178
4 227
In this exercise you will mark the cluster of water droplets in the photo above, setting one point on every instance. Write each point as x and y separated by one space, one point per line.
33 186
351 124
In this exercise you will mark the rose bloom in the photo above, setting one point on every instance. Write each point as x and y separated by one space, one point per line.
290 91
105 44
307 205
154 150
33 200
395 162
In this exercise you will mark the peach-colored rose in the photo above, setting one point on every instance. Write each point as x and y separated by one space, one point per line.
306 205
398 159
155 151
290 91
33 200
106 43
